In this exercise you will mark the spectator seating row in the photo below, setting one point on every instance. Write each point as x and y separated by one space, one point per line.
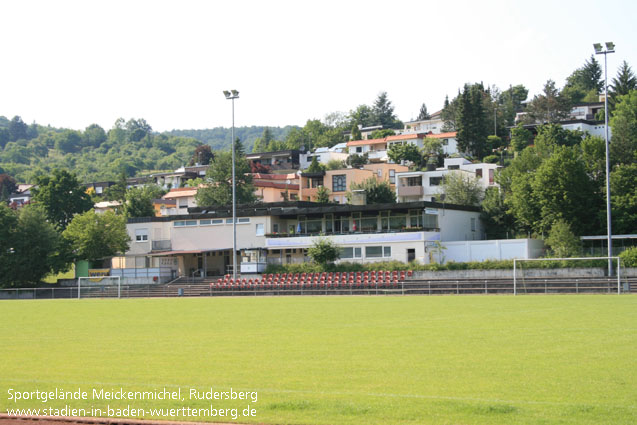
324 280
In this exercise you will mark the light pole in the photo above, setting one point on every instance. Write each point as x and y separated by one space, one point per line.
599 50
232 95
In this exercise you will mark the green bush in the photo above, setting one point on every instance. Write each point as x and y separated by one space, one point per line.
491 159
628 258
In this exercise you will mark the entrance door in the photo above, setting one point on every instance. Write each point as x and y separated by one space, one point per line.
411 254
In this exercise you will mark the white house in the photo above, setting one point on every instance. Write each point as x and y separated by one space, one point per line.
324 155
426 185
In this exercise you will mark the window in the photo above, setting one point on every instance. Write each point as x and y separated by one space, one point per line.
314 226
379 173
453 167
359 149
349 252
473 224
209 222
430 221
243 220
435 181
492 179
445 142
141 235
183 203
377 251
316 182
181 223
275 227
369 223
260 229
339 183
392 176
99 190
479 173
415 218
414 181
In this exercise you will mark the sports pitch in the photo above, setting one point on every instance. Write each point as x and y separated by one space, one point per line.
337 360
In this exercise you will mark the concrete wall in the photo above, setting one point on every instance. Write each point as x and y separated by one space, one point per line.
506 249
508 273
456 225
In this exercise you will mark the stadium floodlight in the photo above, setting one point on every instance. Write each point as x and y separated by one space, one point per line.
232 95
610 48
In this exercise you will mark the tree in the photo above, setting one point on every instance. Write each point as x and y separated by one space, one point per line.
460 188
315 167
219 176
585 83
61 196
139 201
383 112
264 143
399 152
117 192
376 192
562 240
499 224
69 141
621 85
550 106
30 247
381 134
322 195
363 116
335 164
520 138
511 102
17 129
323 251
357 161
97 236
623 147
448 114
94 135
8 186
202 155
423 114
356 133
471 120
137 129
623 193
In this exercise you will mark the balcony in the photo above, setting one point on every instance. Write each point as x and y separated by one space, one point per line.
410 191
162 245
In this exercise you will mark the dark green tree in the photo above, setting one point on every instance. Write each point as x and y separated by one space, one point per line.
117 192
363 115
550 106
623 147
383 112
471 120
356 133
405 152
623 190
585 83
357 161
315 167
97 236
61 196
8 186
139 201
17 129
219 177
423 114
137 129
69 141
462 189
376 192
621 85
30 247
562 241
94 136
520 138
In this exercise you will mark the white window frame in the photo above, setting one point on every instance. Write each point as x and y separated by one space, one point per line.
141 235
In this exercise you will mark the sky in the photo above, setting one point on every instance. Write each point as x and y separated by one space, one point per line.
74 63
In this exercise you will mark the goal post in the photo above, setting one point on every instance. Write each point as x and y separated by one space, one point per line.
111 281
517 261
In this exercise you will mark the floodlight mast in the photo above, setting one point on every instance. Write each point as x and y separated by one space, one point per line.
599 50
232 95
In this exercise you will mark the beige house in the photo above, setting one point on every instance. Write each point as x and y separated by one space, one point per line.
338 182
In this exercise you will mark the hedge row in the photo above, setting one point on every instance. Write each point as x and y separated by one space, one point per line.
397 265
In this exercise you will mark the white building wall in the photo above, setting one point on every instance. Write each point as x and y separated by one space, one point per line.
459 225
505 249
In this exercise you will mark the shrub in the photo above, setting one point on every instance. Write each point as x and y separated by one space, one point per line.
628 258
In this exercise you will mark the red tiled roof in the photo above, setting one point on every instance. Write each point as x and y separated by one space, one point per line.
263 176
405 137
366 142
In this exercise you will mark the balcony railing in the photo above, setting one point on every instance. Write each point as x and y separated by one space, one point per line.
358 232
162 245
410 191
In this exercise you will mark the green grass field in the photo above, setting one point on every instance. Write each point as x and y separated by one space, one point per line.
340 360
